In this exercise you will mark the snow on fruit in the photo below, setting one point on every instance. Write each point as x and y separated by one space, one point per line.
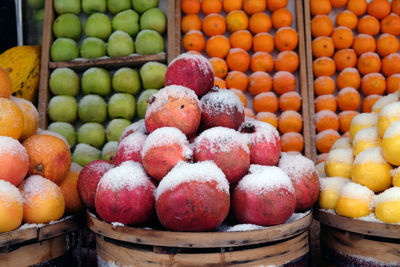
130 148
11 209
14 160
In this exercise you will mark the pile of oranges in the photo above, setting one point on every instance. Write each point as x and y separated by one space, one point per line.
252 48
355 49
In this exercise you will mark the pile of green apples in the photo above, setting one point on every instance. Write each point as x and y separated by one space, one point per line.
113 28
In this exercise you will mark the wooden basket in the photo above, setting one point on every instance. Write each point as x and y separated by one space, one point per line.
351 242
130 246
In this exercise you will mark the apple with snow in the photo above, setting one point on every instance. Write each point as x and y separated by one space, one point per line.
304 177
138 126
192 71
193 197
264 197
88 179
130 148
125 194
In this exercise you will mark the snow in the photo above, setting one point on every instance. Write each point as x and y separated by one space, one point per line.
244 227
323 114
341 155
361 35
197 61
102 263
297 216
368 54
320 167
373 75
347 90
264 132
391 111
332 183
370 119
86 149
372 154
395 172
94 70
373 261
11 146
109 147
133 143
282 74
349 69
343 142
391 56
31 225
204 171
40 187
138 126
48 132
357 191
369 134
386 100
391 194
284 28
222 101
116 224
9 193
296 165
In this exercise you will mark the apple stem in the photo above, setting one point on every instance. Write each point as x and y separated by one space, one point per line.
248 128
151 99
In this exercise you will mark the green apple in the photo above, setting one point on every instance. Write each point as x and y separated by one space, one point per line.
142 102
109 150
152 74
63 108
92 108
67 6
115 128
92 133
84 154
64 81
64 49
98 25
67 25
149 42
115 6
39 15
126 21
96 81
93 47
126 80
154 19
121 105
120 44
35 3
66 130
142 5
91 6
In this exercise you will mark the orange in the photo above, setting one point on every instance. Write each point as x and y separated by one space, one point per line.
237 79
338 3
259 82
320 7
290 101
321 25
241 96
348 99
326 119
324 66
211 6
345 58
393 83
260 22
263 42
368 63
379 8
345 118
324 140
358 7
346 18
396 7
387 44
364 43
391 64
241 39
323 47
194 41
191 22
248 112
281 18
266 101
368 25
214 24
287 61
254 6
220 67
238 59
283 82
219 82
325 102
373 84
276 4
342 37
190 6
286 38
349 77
391 24
69 188
368 102
290 121
236 20
218 46
324 85
261 61
5 84
267 117
292 142
31 117
322 157
230 5
193 52
11 119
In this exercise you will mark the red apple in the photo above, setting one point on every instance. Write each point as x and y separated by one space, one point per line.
134 127
130 148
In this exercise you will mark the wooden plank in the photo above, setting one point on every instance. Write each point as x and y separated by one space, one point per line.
57 229
200 240
18 236
174 29
274 254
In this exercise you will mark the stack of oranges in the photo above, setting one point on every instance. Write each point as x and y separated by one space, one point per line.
356 61
252 48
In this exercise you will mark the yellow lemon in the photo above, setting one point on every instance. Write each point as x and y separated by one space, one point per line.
391 144
339 163
365 139
388 205
330 188
343 142
362 121
388 114
395 177
354 200
383 101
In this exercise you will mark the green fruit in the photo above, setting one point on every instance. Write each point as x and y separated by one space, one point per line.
121 105
67 25
142 5
67 6
142 102
35 3
152 74
64 81
149 42
126 80
126 21
93 47
109 150
63 108
66 130
115 6
64 49
91 6
92 108
98 25
92 133
39 15
115 128
120 44
154 19
96 81
84 154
